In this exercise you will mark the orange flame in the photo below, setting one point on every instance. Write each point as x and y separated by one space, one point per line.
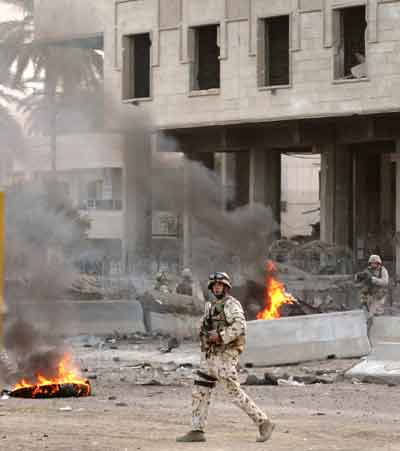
67 373
275 295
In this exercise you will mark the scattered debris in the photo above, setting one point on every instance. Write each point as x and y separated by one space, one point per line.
290 382
173 343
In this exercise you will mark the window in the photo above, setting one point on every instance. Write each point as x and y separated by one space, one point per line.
206 67
349 30
136 66
95 190
274 55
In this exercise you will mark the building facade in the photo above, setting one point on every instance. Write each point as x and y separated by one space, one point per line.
253 79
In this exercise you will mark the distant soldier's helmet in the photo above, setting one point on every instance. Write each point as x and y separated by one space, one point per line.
187 273
221 277
161 277
375 259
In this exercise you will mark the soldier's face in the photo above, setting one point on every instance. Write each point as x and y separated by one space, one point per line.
374 265
218 288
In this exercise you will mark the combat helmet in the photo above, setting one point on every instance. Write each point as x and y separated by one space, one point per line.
221 277
375 259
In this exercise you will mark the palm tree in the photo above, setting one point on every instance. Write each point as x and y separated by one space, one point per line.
55 77
60 65
10 128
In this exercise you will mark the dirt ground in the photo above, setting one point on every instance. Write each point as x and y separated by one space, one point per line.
126 414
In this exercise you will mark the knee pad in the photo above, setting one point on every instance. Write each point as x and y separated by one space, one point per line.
205 380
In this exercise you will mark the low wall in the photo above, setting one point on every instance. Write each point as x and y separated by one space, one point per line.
182 326
303 338
386 328
84 317
383 364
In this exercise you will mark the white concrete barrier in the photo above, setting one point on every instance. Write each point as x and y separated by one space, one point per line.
383 364
385 329
84 317
303 338
182 326
376 371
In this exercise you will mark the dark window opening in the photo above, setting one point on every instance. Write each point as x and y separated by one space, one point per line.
136 77
350 54
276 59
207 63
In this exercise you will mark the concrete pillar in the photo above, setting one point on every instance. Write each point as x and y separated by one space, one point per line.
228 170
258 180
137 200
265 179
187 221
343 196
388 206
207 160
327 191
397 212
336 194
242 179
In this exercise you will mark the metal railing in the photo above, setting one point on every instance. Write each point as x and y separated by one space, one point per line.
102 204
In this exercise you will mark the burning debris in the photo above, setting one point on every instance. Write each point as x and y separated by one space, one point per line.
66 381
40 365
275 295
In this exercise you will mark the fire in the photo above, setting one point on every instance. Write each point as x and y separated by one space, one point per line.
275 295
67 373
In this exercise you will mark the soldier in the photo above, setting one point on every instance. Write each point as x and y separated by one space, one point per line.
222 334
185 286
374 287
162 283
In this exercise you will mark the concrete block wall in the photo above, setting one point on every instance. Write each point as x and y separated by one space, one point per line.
313 92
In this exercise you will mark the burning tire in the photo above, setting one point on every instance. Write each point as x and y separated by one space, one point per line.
64 381
67 390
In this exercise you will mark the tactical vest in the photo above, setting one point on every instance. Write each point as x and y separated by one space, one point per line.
217 321
375 291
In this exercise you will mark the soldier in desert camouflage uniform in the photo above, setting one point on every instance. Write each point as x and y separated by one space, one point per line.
374 282
223 335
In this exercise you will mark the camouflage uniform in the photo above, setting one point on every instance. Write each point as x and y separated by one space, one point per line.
374 291
219 361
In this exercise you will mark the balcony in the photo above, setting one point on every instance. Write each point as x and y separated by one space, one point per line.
77 152
103 204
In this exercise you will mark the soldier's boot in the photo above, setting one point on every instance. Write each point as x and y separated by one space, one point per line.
265 431
192 436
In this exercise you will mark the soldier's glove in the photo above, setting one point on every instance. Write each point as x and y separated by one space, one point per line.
361 276
214 337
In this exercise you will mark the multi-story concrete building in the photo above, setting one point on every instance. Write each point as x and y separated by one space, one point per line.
254 79
89 167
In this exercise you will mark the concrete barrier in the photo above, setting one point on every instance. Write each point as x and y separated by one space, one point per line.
303 338
383 364
385 328
182 326
103 317
84 317
376 371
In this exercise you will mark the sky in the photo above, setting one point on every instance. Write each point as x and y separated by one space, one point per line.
8 12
